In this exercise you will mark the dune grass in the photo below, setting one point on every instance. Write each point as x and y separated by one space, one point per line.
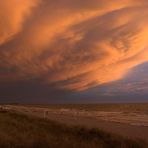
21 131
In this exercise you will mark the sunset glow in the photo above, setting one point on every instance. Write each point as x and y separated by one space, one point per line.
71 45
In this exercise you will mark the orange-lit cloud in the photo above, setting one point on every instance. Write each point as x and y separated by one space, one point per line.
72 44
12 16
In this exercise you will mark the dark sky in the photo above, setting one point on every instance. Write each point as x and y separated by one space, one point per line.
73 51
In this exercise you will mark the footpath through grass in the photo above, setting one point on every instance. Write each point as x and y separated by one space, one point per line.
21 131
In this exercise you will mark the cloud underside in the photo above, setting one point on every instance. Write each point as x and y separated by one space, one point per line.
72 44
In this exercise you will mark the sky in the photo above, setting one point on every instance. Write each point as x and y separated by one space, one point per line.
67 51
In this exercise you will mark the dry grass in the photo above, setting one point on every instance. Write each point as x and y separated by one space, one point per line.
21 131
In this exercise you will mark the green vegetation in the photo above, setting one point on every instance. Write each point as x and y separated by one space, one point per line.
21 131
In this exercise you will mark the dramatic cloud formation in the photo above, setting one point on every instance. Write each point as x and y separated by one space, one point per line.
12 15
72 44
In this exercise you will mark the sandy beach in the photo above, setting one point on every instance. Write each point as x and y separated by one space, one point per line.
132 125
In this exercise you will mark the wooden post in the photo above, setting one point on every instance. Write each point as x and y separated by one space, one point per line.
44 114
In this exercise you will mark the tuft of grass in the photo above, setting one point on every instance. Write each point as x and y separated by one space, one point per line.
21 131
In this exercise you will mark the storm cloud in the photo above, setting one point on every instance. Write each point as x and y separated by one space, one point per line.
72 45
